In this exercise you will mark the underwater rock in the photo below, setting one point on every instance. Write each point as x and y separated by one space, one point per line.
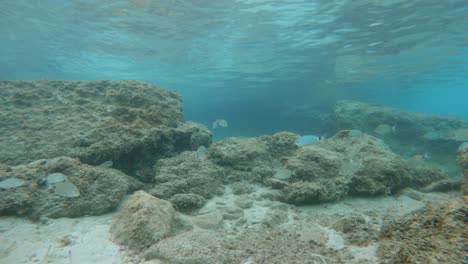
85 190
282 174
356 228
212 220
242 187
275 218
187 202
304 192
198 135
94 121
248 153
243 202
407 133
313 162
348 163
315 176
281 144
194 246
377 169
434 234
252 160
233 213
186 173
142 221
239 153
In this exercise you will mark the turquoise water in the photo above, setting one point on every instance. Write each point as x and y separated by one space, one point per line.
262 65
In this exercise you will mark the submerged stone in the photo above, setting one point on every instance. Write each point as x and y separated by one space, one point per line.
56 178
66 189
11 183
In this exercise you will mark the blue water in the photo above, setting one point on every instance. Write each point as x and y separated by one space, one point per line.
263 65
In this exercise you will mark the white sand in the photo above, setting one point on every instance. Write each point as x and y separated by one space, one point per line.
22 241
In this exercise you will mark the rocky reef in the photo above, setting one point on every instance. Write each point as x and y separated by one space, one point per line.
130 123
74 149
410 134
61 187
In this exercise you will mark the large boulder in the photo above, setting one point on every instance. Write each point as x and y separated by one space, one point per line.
131 123
239 153
187 173
60 187
373 168
316 176
351 162
252 159
143 221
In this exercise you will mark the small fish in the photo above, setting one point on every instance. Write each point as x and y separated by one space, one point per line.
375 43
307 140
426 156
376 24
108 163
219 122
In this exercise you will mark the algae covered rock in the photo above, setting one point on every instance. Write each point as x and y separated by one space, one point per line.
304 192
94 121
239 153
251 160
313 162
377 169
351 162
62 187
316 176
434 234
281 144
187 173
143 221
408 133
187 202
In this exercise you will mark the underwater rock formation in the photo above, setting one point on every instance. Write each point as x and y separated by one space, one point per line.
143 221
353 163
434 137
131 123
350 163
434 234
62 187
187 173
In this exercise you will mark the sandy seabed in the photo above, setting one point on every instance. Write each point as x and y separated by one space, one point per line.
87 239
